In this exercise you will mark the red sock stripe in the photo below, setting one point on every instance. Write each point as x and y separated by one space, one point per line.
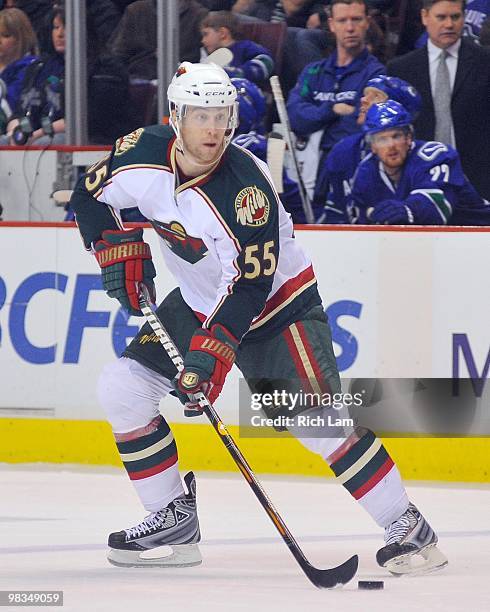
375 478
322 383
161 467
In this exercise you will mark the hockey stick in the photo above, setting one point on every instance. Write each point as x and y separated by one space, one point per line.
222 57
284 119
321 578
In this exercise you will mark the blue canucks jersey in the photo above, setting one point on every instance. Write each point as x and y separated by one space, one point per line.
323 84
432 188
334 180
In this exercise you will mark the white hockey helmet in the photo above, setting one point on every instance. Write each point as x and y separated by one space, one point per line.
202 85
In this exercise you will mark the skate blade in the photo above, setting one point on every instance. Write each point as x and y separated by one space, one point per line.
183 555
429 559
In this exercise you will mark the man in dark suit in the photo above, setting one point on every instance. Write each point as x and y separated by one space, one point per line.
452 74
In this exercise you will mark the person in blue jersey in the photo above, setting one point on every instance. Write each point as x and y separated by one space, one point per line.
250 135
404 181
335 175
327 94
251 61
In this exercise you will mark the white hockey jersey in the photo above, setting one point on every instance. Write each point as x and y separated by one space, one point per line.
225 235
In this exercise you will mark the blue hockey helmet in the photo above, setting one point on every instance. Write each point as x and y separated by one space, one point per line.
387 115
398 90
251 106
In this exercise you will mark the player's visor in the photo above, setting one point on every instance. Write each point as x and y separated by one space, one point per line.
209 118
387 139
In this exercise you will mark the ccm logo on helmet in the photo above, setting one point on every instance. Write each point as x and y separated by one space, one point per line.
216 93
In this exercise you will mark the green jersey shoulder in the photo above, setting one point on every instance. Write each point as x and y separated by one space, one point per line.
144 148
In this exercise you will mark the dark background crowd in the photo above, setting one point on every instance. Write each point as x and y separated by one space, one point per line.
324 63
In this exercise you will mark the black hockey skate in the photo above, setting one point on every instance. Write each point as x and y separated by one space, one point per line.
410 546
175 526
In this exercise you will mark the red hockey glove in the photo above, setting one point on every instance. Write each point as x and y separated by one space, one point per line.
210 357
125 261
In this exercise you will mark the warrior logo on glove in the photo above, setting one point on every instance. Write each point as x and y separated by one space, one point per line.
189 380
126 262
210 357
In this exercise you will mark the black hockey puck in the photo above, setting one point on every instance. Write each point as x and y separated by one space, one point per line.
371 585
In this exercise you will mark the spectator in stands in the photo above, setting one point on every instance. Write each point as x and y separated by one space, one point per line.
39 116
452 75
102 16
407 182
135 40
18 49
40 111
36 10
250 61
326 97
336 174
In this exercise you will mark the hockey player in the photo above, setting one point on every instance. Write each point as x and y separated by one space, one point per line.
247 294
335 175
405 182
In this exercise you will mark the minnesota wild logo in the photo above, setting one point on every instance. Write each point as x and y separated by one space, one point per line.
252 207
127 142
179 242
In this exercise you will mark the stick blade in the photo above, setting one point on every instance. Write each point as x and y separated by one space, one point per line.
222 57
336 576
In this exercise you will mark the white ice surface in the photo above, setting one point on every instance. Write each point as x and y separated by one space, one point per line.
54 524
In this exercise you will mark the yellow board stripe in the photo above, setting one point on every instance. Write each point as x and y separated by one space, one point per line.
92 442
151 450
304 358
360 463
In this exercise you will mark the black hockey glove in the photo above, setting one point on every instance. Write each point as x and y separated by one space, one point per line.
125 261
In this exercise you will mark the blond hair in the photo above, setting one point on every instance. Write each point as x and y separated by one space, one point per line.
15 22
